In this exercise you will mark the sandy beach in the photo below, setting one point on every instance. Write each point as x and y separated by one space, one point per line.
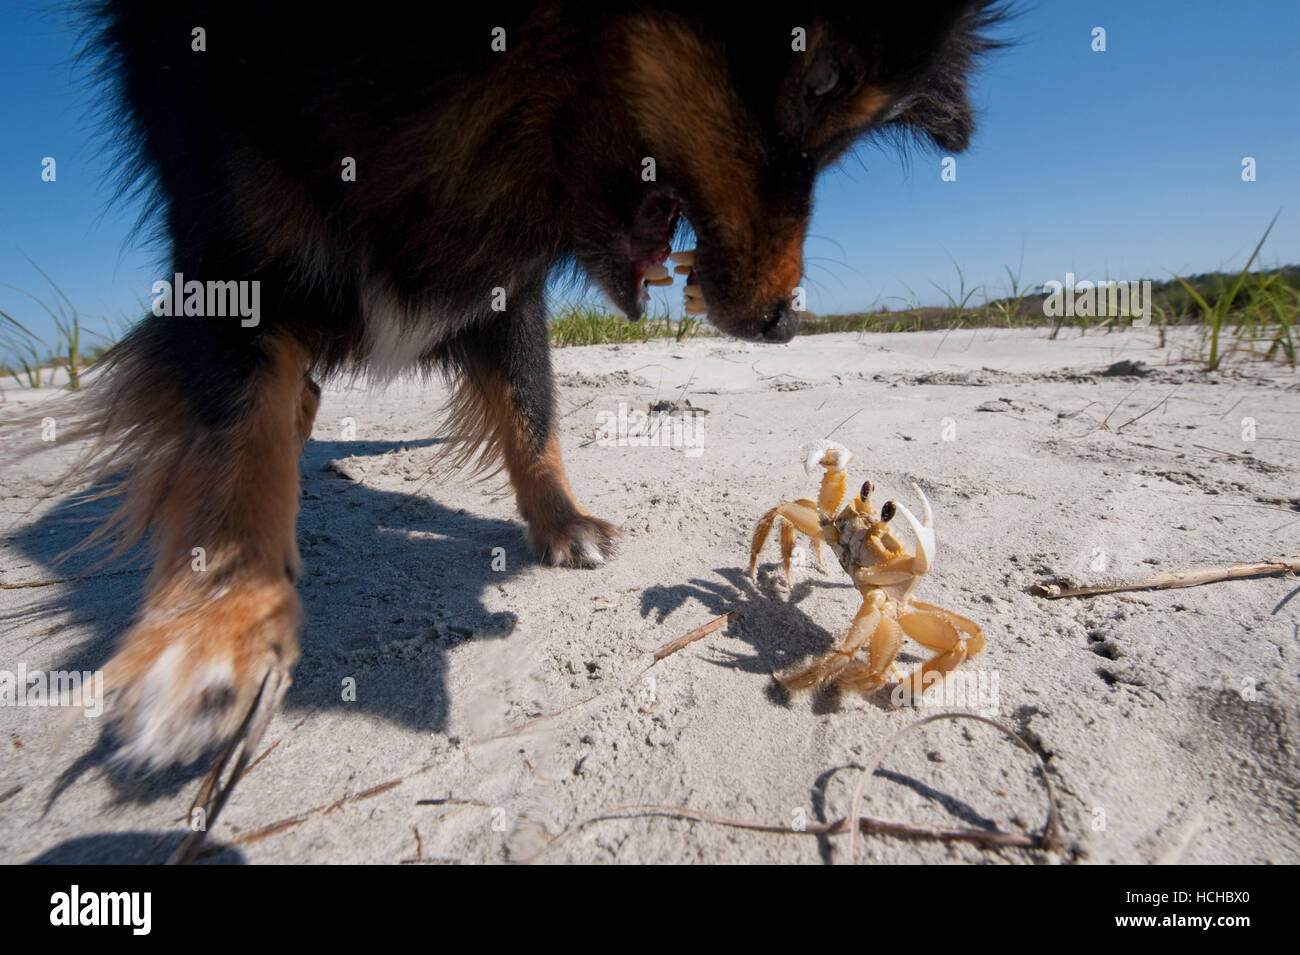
458 702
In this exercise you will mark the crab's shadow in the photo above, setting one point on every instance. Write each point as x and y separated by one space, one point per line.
780 635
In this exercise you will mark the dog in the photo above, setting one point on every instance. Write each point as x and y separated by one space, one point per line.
398 183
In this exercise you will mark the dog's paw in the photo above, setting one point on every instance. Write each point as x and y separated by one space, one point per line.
578 541
190 670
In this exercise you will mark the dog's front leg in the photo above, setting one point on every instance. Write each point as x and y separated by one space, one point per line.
506 401
217 484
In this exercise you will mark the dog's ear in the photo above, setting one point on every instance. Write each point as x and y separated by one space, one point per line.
943 115
941 110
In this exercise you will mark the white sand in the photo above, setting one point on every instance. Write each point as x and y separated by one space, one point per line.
1167 719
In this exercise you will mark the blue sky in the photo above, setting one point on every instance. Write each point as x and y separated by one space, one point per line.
1123 164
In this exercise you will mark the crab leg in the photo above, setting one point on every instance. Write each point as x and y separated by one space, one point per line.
974 635
897 570
869 677
937 629
815 538
866 626
803 518
787 547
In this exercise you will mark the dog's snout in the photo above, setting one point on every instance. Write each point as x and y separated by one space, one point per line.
781 323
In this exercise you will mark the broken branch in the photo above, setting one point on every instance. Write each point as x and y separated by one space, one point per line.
1173 579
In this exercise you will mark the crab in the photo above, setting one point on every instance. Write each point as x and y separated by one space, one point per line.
884 572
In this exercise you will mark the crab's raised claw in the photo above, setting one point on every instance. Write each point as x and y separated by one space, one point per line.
926 513
924 533
825 454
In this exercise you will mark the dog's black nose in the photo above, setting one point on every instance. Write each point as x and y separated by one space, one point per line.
782 322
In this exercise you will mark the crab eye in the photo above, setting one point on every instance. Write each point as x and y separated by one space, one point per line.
887 512
866 491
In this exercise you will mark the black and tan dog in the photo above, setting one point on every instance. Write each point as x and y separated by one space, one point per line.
400 182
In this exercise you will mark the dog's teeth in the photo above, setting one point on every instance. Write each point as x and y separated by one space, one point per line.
656 272
693 294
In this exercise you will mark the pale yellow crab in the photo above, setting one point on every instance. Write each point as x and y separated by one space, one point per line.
883 571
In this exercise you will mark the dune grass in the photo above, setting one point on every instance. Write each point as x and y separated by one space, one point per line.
1252 315
1251 318
1249 314
587 325
75 347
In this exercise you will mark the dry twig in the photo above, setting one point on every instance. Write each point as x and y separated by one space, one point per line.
1179 578
1047 839
667 650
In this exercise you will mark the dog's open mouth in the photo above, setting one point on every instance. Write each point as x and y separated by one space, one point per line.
649 243
647 247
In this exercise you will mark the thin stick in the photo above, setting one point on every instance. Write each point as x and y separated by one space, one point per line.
525 727
1179 578
212 795
1231 454
1104 425
717 623
993 837
843 423
1047 839
1162 401
280 825
67 580
667 650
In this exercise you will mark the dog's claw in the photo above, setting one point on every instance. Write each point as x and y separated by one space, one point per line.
212 794
581 541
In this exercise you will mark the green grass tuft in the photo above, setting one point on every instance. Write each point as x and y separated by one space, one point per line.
587 325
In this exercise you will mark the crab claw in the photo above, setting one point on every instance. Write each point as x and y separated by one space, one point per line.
826 454
924 532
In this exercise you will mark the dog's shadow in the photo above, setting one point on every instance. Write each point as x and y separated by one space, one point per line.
390 583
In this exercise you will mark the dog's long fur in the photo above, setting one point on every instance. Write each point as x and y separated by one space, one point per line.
479 174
